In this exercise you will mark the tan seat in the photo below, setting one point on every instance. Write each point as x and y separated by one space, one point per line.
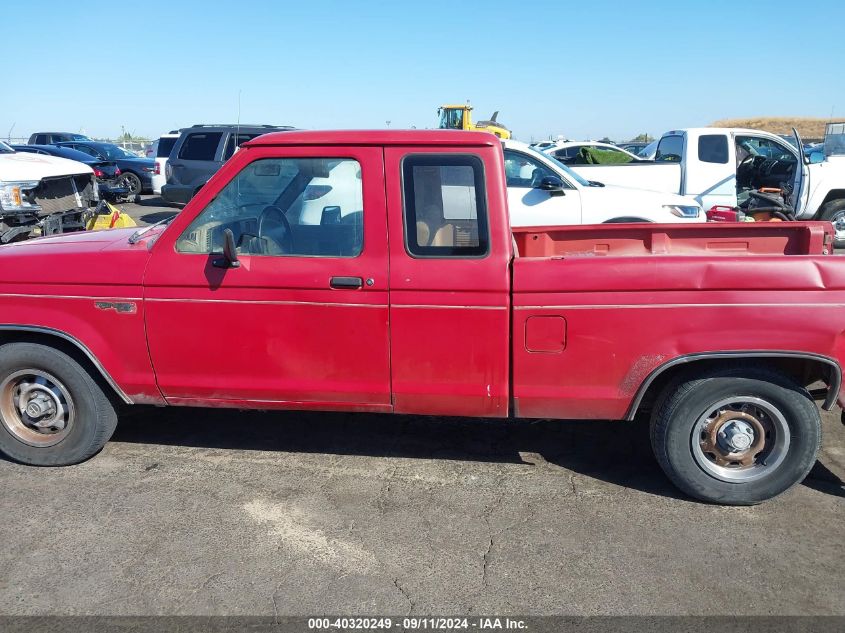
432 230
444 236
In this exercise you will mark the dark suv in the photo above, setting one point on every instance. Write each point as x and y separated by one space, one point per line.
200 151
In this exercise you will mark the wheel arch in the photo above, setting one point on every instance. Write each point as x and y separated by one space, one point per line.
802 366
627 219
65 342
833 194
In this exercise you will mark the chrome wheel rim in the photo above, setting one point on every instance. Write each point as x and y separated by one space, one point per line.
740 439
129 183
838 221
36 408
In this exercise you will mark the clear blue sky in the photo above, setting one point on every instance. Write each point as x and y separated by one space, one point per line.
582 69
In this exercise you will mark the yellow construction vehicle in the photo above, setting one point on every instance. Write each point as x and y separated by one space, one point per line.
458 117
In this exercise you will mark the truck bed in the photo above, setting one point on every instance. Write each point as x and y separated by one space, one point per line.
629 240
590 306
646 175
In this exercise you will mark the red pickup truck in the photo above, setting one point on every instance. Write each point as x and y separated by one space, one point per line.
377 272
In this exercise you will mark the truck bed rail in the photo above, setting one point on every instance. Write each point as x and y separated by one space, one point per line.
627 240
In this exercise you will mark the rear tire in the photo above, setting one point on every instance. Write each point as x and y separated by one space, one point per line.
834 211
132 182
736 436
67 416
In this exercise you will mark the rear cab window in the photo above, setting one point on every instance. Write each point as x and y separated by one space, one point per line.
445 207
670 149
200 146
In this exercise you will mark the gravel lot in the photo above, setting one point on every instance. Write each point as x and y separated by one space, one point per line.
190 511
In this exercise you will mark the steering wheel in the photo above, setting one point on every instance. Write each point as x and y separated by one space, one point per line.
271 218
745 169
770 165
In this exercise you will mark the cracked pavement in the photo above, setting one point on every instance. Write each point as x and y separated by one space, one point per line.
190 511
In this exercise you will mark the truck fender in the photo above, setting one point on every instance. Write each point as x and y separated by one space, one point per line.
834 383
50 332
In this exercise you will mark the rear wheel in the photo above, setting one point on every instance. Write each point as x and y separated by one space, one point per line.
52 412
736 436
131 182
834 211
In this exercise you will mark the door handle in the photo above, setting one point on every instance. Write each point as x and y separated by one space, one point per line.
346 282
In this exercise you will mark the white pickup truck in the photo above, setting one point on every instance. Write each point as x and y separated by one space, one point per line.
544 192
722 166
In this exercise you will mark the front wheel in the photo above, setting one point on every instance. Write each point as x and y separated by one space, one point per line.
52 411
736 436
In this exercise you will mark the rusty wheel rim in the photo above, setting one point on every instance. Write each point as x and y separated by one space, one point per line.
36 408
740 439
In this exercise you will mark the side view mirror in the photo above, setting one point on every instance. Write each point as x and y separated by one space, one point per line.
815 157
230 252
553 185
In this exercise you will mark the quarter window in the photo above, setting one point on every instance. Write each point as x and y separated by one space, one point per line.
285 206
200 146
445 206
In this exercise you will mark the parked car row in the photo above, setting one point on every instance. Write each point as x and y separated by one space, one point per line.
541 188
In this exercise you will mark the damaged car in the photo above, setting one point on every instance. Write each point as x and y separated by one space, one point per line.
43 195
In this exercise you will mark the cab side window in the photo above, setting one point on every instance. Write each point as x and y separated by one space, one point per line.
285 207
445 206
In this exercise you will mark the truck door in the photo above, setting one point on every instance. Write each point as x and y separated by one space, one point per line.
301 322
450 247
709 169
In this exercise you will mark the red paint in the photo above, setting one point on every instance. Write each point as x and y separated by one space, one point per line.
568 328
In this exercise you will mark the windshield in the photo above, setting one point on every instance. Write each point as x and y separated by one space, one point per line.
114 152
5 149
451 119
581 181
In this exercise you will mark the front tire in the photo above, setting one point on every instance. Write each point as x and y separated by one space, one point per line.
52 411
736 436
834 211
